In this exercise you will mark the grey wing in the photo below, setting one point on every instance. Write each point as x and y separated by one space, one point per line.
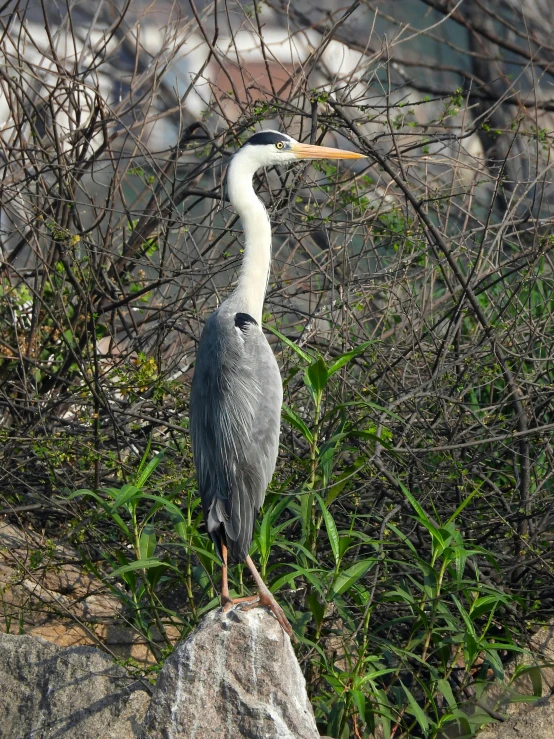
235 409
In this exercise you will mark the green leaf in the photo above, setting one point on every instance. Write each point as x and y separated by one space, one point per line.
359 700
126 494
140 564
415 505
507 647
340 482
494 662
484 605
294 420
402 537
294 545
205 554
417 710
444 687
348 577
332 532
347 356
463 727
380 408
316 376
112 492
317 608
107 508
264 538
69 336
344 544
327 455
167 504
147 541
144 460
461 558
180 528
84 491
465 502
535 675
311 575
143 476
287 579
370 436
464 614
383 709
301 353
368 404
472 649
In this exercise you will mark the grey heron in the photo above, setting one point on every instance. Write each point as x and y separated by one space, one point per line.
236 394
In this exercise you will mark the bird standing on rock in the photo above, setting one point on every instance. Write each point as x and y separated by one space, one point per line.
236 395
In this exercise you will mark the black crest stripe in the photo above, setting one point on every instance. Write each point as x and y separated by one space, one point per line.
243 319
266 137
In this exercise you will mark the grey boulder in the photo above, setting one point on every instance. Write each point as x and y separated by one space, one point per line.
49 692
236 676
536 723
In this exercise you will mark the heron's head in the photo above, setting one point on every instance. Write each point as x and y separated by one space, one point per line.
268 148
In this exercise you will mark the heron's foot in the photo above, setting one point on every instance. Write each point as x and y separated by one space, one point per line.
265 598
227 603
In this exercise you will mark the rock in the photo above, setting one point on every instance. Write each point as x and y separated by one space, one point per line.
43 593
529 675
235 676
533 719
537 723
52 692
39 584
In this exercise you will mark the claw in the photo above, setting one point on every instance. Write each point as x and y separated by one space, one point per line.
227 603
266 599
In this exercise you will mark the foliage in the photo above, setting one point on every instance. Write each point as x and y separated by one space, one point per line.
408 529
394 633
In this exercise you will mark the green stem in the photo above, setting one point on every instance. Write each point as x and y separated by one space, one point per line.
313 523
188 576
153 646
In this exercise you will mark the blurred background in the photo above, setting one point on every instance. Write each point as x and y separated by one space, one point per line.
421 279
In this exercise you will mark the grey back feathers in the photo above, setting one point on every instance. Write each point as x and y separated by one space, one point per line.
235 408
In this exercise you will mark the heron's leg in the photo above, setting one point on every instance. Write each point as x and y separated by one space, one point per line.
266 599
226 600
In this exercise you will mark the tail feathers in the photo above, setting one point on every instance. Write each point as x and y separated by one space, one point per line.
234 528
217 515
237 550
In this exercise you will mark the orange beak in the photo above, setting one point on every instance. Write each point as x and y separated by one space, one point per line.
307 151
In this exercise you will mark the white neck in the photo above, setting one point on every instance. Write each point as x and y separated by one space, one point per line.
250 292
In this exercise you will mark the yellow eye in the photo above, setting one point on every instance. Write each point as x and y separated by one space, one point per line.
279 145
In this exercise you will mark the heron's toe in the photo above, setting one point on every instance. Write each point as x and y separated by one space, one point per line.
266 599
228 603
